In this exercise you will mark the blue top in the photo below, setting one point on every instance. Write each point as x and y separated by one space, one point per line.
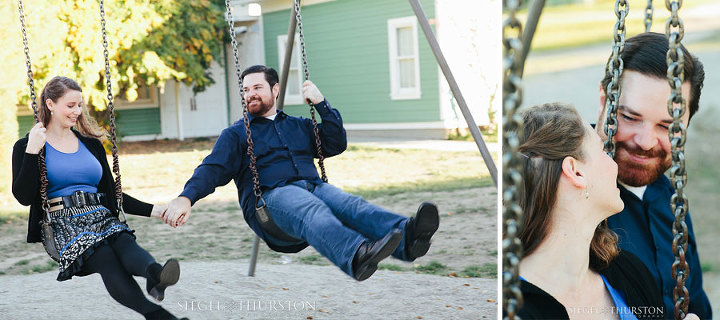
644 228
618 298
284 149
70 172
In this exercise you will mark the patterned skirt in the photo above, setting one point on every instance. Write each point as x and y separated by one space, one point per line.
77 231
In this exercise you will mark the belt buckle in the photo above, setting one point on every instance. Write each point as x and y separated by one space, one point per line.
79 199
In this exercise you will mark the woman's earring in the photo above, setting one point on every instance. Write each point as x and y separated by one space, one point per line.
587 195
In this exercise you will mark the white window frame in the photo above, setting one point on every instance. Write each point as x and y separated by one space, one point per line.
291 98
397 93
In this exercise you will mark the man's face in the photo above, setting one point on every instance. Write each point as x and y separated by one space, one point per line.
642 143
259 96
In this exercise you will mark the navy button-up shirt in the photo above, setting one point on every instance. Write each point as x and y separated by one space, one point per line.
284 149
644 228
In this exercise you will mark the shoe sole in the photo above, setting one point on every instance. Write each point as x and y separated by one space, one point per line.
369 269
428 221
169 276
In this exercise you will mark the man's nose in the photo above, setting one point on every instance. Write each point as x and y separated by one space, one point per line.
646 138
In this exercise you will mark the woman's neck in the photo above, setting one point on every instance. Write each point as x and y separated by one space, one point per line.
58 133
562 260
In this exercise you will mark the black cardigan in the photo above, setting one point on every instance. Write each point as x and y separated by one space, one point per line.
626 274
26 184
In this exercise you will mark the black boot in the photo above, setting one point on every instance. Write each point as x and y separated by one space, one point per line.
161 314
159 278
419 229
369 254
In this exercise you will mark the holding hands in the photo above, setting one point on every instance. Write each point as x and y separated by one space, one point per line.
176 213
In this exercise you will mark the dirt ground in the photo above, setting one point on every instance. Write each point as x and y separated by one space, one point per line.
455 280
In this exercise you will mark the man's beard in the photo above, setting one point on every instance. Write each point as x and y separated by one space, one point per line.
635 174
259 110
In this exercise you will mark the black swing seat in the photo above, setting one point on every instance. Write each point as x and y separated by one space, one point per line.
267 224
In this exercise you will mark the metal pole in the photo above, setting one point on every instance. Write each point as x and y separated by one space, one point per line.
288 55
533 18
254 256
455 89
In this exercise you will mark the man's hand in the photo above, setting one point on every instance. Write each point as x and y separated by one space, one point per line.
311 93
178 212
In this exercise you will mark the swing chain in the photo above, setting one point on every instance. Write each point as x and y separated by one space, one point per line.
246 120
512 130
301 36
33 98
615 69
649 15
676 105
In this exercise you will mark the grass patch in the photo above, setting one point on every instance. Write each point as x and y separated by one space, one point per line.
433 267
40 268
391 267
22 262
11 216
487 270
313 259
488 135
707 267
421 186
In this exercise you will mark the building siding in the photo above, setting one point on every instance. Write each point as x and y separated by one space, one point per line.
348 59
130 122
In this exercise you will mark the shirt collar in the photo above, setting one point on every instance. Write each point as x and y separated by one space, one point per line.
280 114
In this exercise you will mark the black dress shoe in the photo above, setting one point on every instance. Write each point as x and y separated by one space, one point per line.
161 314
419 229
370 254
159 279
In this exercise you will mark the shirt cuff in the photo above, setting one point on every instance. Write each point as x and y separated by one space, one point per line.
323 108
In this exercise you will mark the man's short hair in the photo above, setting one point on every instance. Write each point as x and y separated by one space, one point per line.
646 53
271 76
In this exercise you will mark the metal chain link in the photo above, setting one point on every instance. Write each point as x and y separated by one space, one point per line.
31 84
251 145
615 69
321 161
676 105
648 15
111 111
512 179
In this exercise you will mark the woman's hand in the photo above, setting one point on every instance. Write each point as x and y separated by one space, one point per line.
691 316
158 211
36 139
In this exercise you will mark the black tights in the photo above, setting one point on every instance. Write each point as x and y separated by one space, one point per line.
117 263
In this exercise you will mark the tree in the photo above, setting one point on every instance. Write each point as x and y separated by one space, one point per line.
149 42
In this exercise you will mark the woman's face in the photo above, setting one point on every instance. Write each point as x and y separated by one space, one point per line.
601 173
67 109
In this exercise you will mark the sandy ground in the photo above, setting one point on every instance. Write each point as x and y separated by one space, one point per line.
215 270
222 290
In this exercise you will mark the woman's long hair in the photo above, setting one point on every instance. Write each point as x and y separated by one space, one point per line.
56 88
551 133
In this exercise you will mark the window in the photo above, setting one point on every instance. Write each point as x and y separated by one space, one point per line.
293 91
404 62
147 97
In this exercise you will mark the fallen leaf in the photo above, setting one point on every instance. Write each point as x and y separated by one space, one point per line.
490 300
324 296
466 284
453 274
323 310
460 308
355 302
447 306
309 317
286 289
419 317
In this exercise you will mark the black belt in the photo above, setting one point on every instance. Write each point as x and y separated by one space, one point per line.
77 199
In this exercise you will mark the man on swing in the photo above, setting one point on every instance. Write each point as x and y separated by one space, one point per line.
303 210
643 154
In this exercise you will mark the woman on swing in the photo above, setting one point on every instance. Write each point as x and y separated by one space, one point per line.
572 267
88 235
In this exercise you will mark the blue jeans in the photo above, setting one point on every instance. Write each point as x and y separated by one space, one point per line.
334 222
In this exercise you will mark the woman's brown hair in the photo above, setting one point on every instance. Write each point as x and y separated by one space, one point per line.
551 133
56 88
